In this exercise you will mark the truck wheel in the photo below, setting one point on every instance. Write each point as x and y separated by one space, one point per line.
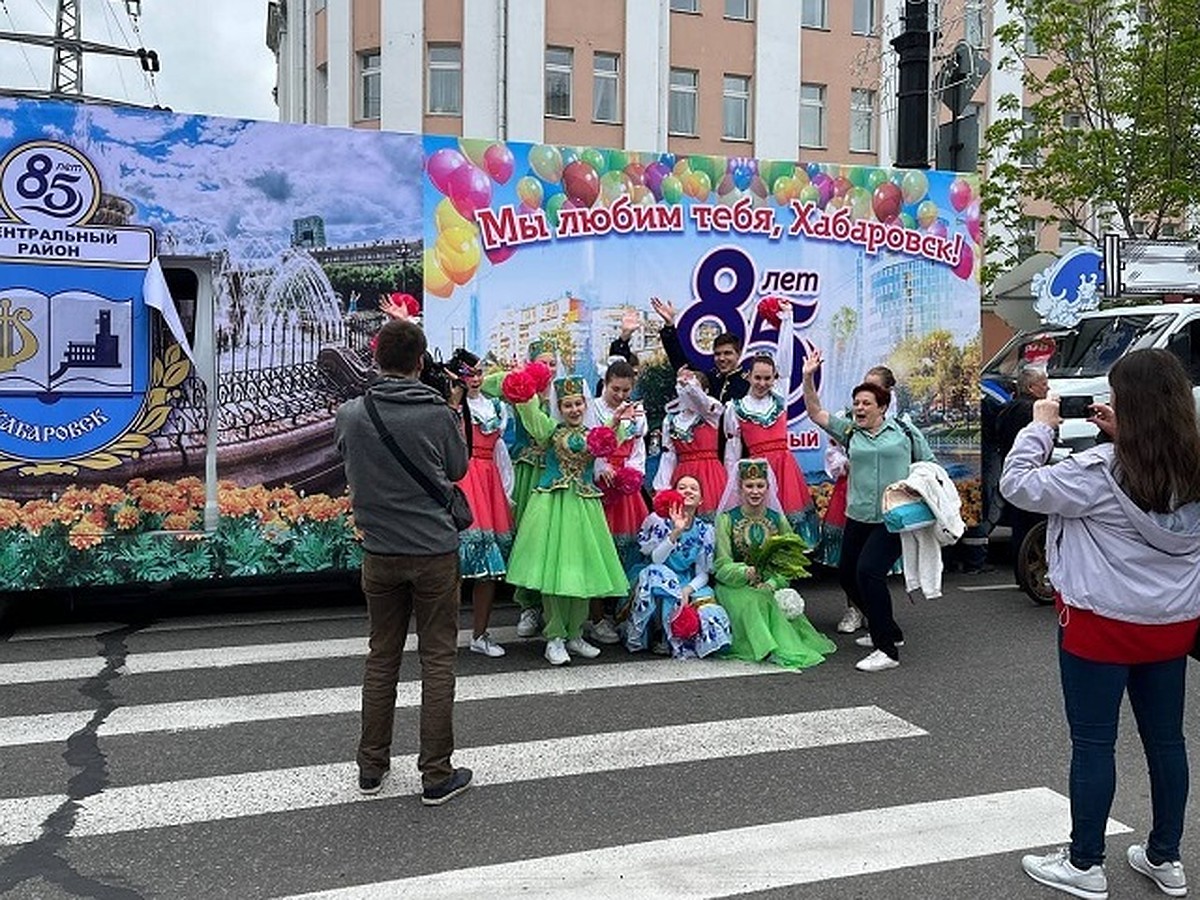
1033 568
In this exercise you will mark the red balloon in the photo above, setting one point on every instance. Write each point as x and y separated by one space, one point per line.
469 189
636 173
499 161
441 165
498 255
887 201
581 183
966 263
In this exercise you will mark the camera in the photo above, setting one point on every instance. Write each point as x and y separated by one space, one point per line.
1075 407
436 374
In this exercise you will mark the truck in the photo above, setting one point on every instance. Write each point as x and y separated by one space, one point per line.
185 301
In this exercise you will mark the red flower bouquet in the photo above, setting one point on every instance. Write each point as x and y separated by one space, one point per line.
517 387
665 501
627 481
601 441
540 374
686 623
768 308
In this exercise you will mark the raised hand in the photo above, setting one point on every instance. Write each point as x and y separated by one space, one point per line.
665 310
393 310
631 321
679 518
813 360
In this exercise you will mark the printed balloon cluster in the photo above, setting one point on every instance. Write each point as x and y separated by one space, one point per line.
561 178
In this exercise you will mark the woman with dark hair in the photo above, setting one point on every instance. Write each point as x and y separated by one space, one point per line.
689 440
881 450
1123 546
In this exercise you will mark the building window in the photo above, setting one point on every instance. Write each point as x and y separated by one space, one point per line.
1029 132
812 115
739 9
560 62
1027 236
606 87
973 23
1068 235
321 95
814 13
973 114
689 6
862 120
681 107
1031 44
864 17
735 108
445 79
368 79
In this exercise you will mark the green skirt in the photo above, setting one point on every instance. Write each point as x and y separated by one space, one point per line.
563 548
760 630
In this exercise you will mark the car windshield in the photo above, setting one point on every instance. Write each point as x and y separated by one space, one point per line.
1085 351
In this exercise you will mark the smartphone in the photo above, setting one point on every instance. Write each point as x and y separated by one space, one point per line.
1075 407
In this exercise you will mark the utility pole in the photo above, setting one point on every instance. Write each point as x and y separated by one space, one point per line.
912 109
66 77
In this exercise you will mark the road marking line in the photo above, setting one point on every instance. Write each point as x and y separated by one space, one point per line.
217 712
213 657
972 588
725 863
197 800
188 623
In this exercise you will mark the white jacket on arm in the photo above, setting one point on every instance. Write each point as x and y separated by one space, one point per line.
921 548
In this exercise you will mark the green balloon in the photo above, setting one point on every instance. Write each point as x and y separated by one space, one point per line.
859 175
617 160
596 159
876 178
702 164
672 189
553 205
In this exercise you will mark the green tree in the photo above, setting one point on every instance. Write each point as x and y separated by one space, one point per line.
1110 129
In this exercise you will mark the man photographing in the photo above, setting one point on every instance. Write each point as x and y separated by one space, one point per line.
410 553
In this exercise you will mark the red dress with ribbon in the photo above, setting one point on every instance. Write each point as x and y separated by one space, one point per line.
698 458
484 547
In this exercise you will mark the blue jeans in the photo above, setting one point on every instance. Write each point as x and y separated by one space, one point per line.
1092 692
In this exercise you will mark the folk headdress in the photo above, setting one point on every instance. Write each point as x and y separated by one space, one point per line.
568 386
745 470
542 346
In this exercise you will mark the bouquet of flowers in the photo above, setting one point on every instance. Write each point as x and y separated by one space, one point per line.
685 624
782 555
517 387
768 308
667 500
601 441
627 481
540 374
790 603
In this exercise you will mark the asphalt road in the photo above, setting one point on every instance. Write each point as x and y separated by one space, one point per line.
212 756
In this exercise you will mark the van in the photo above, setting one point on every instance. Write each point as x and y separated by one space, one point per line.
1077 358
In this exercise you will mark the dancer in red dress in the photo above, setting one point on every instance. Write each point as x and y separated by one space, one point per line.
689 441
759 423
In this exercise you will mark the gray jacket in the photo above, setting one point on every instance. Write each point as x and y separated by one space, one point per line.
1106 554
396 516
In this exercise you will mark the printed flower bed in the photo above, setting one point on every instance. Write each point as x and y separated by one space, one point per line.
151 531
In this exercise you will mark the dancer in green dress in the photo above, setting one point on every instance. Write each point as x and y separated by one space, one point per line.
563 547
750 515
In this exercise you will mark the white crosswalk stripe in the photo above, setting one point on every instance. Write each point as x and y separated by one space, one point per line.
816 848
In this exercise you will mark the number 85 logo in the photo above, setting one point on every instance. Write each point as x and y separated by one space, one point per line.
48 183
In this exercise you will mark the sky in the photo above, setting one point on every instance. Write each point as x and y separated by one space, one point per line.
213 53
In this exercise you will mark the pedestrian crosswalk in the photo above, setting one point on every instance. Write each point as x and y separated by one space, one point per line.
691 722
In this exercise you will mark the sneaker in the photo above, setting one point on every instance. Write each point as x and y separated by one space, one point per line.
851 621
580 647
604 632
448 789
530 623
369 785
1168 876
878 661
661 648
556 652
1055 870
865 641
485 645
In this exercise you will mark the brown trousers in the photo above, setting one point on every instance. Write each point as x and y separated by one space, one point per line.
397 587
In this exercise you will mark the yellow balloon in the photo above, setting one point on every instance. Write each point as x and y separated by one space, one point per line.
458 253
436 281
446 216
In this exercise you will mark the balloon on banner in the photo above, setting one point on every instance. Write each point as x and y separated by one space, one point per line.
446 216
940 228
876 177
782 189
636 173
886 201
974 224
499 163
596 159
841 186
668 160
441 165
529 191
672 189
907 220
581 183
437 282
613 186
470 189
702 185
553 204
569 155
617 160
927 213
546 162
475 150
960 194
966 263
860 203
655 173
458 253
914 186
810 193
498 255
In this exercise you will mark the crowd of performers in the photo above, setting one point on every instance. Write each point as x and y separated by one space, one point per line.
707 569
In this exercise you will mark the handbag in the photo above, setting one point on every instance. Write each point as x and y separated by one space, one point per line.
456 503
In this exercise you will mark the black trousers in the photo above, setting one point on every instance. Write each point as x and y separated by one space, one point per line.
869 551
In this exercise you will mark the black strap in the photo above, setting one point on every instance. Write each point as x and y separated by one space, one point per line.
390 442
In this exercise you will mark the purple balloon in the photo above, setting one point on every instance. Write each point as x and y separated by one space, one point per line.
655 173
470 189
441 165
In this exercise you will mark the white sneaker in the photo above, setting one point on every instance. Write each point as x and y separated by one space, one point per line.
878 661
1055 870
1168 876
851 621
530 623
580 647
865 641
604 632
556 652
485 645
